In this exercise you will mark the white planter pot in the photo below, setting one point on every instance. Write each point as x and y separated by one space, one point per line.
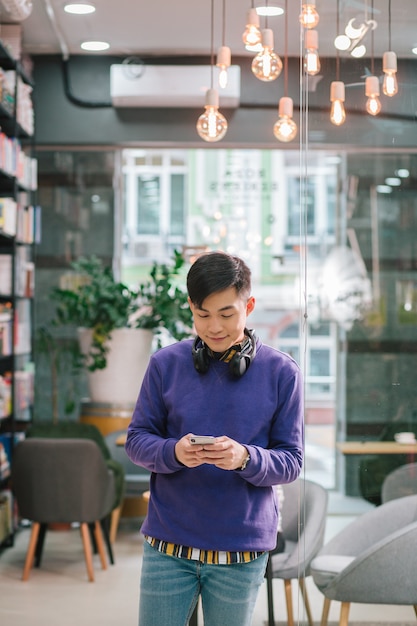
127 360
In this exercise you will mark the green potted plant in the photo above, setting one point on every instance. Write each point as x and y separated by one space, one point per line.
116 321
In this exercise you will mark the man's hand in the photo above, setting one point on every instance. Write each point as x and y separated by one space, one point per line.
225 453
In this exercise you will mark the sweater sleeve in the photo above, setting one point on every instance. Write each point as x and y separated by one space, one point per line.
147 443
281 462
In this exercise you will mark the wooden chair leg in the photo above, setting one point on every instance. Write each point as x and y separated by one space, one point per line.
325 614
344 614
114 523
39 544
85 534
100 544
30 554
415 609
105 527
288 599
303 589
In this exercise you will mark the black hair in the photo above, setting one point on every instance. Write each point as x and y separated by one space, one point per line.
217 271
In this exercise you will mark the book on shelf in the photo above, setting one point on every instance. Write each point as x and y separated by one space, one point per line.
22 327
5 394
24 273
8 216
5 456
6 272
23 394
6 514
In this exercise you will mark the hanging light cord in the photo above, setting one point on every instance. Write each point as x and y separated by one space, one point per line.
286 50
372 43
337 33
224 23
212 45
389 24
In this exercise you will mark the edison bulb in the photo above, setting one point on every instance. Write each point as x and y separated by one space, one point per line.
309 18
252 34
285 129
373 103
389 66
267 65
337 98
311 59
223 62
337 113
212 125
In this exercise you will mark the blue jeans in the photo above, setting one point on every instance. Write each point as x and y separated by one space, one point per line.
170 588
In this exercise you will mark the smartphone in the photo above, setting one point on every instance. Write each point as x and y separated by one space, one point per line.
202 439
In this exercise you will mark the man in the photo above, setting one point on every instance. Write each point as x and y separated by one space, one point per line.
213 514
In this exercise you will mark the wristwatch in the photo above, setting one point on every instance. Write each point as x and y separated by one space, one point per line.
245 462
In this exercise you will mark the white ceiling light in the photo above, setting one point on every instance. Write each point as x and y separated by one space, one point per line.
95 46
393 181
414 50
79 8
269 10
403 173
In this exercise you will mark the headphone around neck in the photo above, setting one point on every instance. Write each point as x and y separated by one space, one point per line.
239 362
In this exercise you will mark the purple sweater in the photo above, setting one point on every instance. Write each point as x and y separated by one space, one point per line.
207 507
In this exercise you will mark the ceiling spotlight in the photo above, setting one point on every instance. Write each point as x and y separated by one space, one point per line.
269 10
95 46
383 189
79 8
393 181
403 173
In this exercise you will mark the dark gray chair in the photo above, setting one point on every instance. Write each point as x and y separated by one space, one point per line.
66 481
304 514
400 482
136 478
372 560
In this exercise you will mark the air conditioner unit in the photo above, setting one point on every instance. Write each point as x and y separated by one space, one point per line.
170 85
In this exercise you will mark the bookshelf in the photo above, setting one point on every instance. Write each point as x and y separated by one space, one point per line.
18 228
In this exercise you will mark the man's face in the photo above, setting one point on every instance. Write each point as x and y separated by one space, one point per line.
221 320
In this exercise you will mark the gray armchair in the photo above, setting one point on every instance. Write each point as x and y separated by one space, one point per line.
303 524
372 560
63 480
400 482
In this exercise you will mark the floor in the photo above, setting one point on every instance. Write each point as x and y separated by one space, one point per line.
58 594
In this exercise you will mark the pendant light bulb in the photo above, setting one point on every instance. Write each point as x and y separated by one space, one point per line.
252 34
373 103
389 67
285 129
211 125
309 18
267 65
337 98
223 62
311 59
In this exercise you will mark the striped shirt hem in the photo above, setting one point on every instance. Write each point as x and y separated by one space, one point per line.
212 557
